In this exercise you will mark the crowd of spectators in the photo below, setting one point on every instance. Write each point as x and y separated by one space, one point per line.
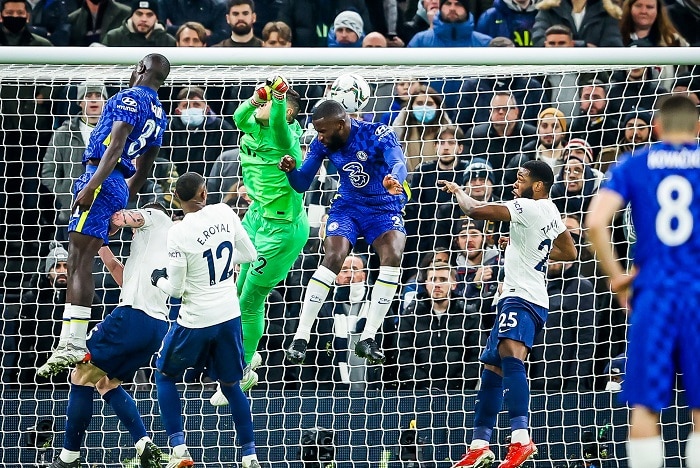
476 131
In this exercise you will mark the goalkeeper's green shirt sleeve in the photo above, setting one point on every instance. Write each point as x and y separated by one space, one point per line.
244 118
281 133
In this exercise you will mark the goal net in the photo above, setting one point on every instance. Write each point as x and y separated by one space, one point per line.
474 125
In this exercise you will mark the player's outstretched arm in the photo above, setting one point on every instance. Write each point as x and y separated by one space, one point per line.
244 116
563 248
113 265
396 160
300 179
126 218
118 136
281 134
473 208
144 164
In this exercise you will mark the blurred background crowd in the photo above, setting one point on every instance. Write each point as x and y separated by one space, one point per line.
476 131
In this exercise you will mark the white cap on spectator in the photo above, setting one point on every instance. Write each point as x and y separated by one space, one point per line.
91 87
351 20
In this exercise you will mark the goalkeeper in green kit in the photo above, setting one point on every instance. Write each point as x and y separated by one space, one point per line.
276 220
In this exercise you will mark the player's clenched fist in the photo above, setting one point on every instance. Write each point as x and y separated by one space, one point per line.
287 163
392 185
262 94
278 85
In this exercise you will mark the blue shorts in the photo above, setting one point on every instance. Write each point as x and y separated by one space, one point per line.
112 196
351 221
125 341
518 320
663 340
219 348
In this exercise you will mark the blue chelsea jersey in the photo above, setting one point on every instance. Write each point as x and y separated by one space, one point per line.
140 107
361 162
662 184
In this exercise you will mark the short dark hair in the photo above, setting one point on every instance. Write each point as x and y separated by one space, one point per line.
233 3
540 171
559 29
157 206
27 5
191 92
187 186
329 109
678 113
453 130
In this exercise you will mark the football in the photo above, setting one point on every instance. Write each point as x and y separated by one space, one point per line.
351 90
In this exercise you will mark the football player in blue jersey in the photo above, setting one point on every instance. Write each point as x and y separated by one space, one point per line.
117 160
369 202
661 183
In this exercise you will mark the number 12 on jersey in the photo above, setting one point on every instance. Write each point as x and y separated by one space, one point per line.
228 271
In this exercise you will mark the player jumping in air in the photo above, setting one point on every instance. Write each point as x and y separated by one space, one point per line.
372 170
537 234
117 159
276 220
661 182
203 250
125 341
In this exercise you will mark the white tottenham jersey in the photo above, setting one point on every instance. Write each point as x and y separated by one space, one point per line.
534 224
203 251
148 252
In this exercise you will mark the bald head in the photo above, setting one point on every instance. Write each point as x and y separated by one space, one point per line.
374 40
158 65
151 71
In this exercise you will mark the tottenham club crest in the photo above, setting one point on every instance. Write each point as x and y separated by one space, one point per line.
361 155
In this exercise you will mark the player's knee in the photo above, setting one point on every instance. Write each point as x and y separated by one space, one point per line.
512 348
82 375
334 261
105 384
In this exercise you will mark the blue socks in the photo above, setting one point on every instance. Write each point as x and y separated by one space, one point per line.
242 419
125 408
489 402
515 381
170 407
79 414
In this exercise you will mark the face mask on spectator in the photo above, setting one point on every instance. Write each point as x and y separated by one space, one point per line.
14 24
424 114
612 386
357 292
192 116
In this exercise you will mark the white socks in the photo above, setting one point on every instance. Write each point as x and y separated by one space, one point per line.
520 436
383 293
79 318
645 453
692 450
316 292
65 325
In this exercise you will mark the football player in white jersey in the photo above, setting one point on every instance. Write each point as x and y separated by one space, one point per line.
203 250
127 338
537 234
